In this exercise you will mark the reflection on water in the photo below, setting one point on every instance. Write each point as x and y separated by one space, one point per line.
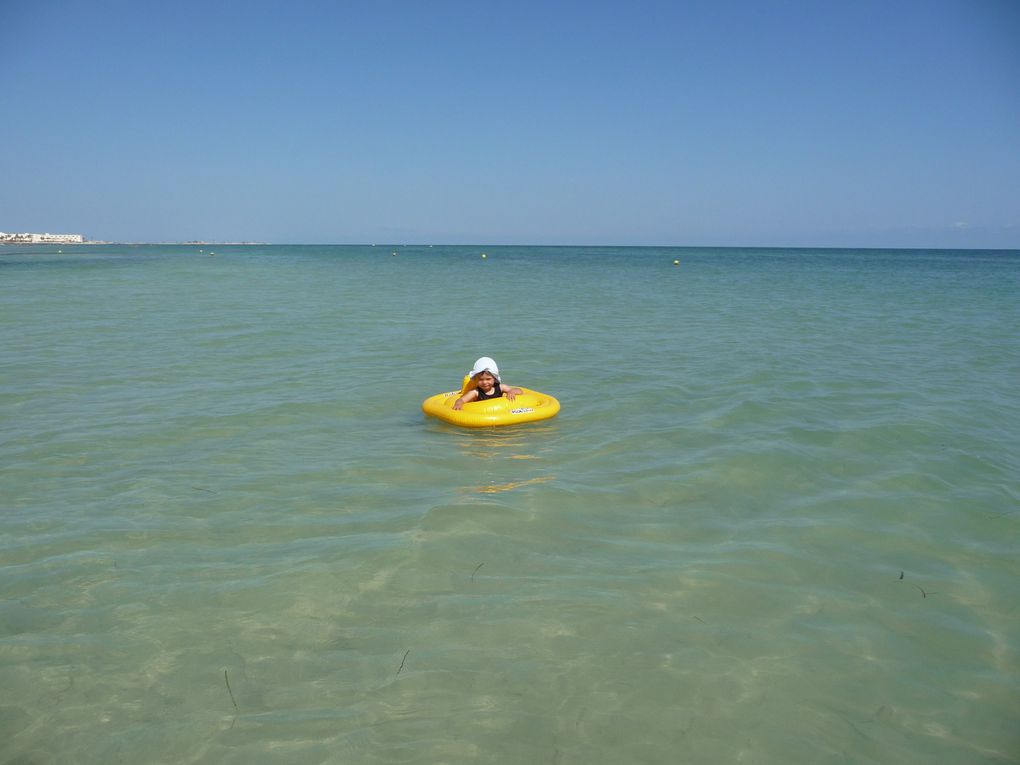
501 455
497 488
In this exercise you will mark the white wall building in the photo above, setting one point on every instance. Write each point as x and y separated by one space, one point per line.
41 238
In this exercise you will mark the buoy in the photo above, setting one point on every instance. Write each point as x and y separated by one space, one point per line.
394 254
483 256
676 262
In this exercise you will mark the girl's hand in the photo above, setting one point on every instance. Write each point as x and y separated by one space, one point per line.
458 404
512 393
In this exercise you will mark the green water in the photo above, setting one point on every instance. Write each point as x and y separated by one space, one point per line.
775 521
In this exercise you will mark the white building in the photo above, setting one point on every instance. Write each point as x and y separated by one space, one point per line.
41 238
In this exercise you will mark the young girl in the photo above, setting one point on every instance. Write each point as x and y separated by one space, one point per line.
485 374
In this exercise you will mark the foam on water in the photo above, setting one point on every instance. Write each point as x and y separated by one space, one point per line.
775 521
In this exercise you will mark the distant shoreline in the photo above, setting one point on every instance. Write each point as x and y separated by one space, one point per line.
133 244
512 246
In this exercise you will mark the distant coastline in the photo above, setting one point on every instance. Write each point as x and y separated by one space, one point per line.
29 238
73 239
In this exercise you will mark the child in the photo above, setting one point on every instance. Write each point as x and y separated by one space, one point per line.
485 374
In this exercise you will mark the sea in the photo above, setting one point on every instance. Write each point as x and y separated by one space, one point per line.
775 521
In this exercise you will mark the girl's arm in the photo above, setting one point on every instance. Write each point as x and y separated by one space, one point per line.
465 398
511 391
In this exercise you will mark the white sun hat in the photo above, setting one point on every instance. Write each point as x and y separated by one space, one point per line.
485 364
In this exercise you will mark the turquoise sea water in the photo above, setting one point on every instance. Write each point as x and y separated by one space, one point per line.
775 522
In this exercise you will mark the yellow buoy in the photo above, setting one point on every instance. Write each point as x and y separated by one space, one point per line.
676 262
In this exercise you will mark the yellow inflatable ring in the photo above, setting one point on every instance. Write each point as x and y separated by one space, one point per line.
529 406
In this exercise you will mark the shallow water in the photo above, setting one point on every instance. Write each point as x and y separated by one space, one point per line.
776 520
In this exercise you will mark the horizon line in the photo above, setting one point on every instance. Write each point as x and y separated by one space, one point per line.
207 243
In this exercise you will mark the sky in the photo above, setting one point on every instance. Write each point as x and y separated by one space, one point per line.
801 123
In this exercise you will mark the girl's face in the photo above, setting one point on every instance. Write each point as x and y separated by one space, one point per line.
485 381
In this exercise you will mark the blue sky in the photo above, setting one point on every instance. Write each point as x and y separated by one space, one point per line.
796 123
